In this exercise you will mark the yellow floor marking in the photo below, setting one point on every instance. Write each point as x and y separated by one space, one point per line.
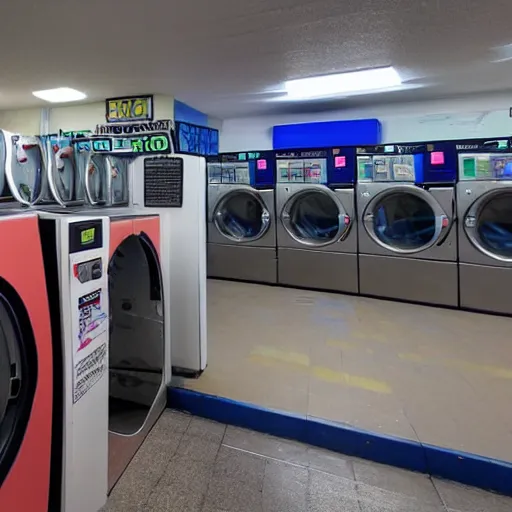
416 358
354 381
341 344
494 371
274 354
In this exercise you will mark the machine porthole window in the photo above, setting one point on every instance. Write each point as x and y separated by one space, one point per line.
18 375
240 216
314 218
494 225
404 221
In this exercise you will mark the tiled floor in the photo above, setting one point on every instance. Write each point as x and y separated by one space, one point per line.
439 376
188 464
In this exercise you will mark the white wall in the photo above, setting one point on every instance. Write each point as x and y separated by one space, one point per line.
87 116
478 116
26 121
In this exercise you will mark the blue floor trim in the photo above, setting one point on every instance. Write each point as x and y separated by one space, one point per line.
466 468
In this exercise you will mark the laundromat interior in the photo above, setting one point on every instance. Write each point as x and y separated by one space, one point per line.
256 256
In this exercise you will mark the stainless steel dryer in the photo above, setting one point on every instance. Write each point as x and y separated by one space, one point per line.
406 214
316 237
241 218
484 202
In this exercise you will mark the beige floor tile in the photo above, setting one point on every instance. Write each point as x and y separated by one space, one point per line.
379 365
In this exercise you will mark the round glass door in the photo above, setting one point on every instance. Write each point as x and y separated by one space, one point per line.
27 169
241 216
118 179
66 178
16 393
403 222
314 218
494 225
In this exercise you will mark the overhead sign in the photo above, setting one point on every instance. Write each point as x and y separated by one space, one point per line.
129 128
129 109
197 140
156 143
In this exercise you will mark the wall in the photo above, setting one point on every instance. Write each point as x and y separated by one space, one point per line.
27 121
86 117
478 116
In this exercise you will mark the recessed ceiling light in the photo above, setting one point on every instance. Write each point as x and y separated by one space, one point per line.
60 95
341 83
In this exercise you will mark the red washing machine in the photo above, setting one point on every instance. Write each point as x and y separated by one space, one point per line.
137 389
26 370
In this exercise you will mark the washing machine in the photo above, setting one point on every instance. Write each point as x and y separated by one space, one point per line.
241 218
316 234
137 378
484 203
26 369
75 263
172 187
407 222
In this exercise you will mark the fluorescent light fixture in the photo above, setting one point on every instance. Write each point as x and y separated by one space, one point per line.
60 95
342 83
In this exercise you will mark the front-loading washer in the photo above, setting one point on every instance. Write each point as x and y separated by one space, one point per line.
316 233
484 202
407 222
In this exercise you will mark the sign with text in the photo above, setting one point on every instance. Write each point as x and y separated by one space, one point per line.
197 140
156 143
129 109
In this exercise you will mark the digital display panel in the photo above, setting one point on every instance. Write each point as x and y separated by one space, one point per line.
87 236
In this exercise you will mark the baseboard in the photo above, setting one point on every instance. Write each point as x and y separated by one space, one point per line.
465 468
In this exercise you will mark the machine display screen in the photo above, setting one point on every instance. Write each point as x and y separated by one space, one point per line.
485 166
310 170
87 236
385 168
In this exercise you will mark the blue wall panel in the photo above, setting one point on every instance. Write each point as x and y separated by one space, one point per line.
182 112
360 132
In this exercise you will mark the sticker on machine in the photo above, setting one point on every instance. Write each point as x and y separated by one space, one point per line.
88 371
92 320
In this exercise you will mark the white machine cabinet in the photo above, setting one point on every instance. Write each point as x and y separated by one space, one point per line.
174 186
80 245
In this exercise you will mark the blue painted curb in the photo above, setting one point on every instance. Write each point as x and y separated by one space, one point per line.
465 468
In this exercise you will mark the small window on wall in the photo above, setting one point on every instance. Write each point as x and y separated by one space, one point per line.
197 140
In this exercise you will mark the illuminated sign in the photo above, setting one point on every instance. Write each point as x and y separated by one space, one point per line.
129 109
197 140
87 236
131 128
102 145
248 156
149 144
72 135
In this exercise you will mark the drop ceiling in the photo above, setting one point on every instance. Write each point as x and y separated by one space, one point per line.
229 58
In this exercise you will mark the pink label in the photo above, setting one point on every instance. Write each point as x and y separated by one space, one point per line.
437 158
262 165
340 161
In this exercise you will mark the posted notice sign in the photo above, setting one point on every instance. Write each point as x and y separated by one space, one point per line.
129 109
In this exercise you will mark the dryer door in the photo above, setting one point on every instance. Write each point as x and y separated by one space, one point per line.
406 220
488 224
26 168
315 217
96 179
17 379
242 216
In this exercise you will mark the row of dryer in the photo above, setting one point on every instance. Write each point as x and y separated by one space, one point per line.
424 222
102 293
